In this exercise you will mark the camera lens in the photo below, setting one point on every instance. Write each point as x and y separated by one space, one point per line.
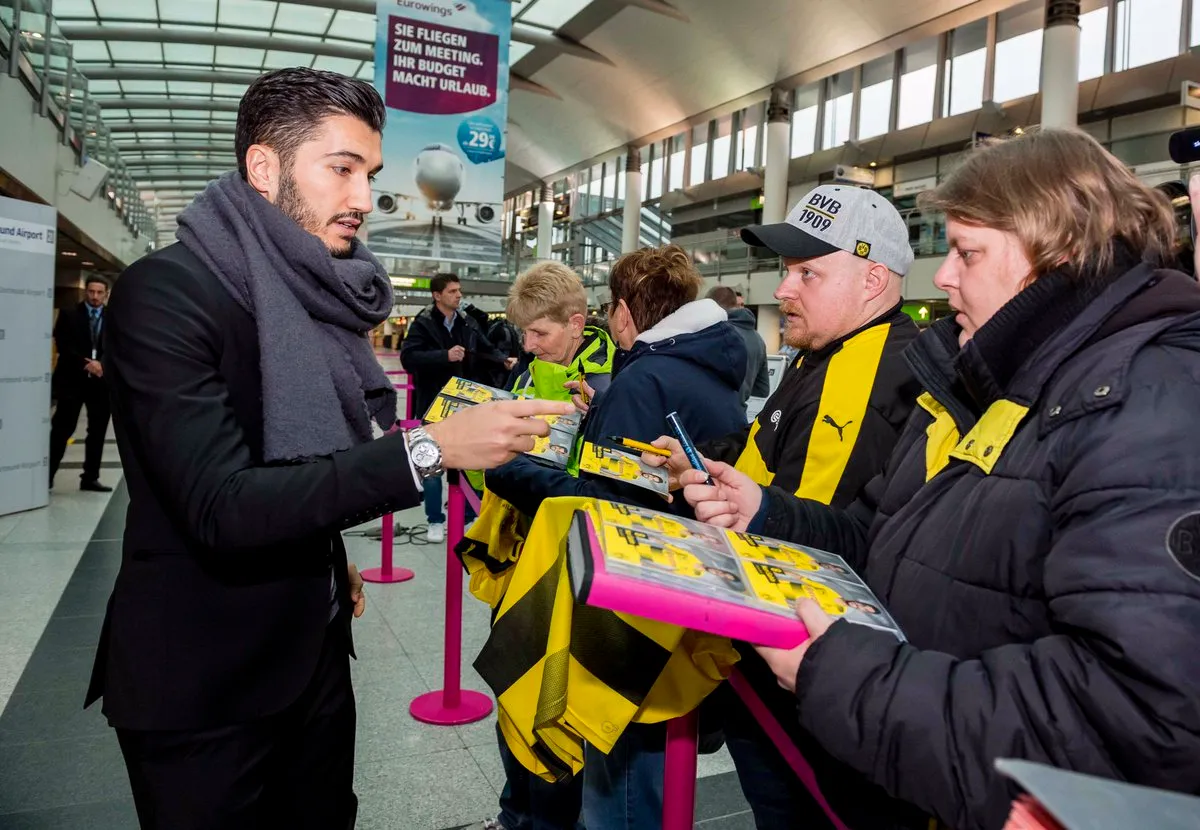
1177 194
1184 146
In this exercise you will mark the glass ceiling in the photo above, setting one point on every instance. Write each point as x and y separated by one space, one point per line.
171 127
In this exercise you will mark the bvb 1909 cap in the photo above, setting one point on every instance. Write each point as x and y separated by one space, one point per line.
835 217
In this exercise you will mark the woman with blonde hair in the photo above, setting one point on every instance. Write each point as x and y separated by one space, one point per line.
1033 533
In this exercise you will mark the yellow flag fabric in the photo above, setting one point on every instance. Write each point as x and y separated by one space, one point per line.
491 546
565 674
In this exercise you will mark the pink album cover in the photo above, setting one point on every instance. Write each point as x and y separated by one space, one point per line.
742 586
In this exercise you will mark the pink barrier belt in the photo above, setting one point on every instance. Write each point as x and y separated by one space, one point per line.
783 743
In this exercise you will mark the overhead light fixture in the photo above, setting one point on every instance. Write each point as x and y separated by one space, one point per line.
873 165
1018 131
87 263
69 253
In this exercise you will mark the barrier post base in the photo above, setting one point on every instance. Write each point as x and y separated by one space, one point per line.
452 705
386 575
431 708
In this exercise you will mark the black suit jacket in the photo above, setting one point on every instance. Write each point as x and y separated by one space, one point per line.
73 338
222 600
425 355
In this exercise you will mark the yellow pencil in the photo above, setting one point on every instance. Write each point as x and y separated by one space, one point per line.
639 445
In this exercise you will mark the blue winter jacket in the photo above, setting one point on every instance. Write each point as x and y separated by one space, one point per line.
692 363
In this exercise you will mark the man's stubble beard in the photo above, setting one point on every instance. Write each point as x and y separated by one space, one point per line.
801 340
302 213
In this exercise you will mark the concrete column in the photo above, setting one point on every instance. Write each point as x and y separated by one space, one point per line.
989 61
775 172
632 217
1110 39
897 72
855 101
1185 27
768 327
1060 64
940 93
545 229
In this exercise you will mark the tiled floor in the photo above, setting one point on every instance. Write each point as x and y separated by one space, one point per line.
60 766
39 550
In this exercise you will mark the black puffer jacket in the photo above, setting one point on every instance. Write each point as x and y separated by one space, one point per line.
1026 560
425 355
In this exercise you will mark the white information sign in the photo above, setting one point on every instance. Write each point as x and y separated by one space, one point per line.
27 245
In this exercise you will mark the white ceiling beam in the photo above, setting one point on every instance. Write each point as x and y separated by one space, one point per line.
521 33
223 127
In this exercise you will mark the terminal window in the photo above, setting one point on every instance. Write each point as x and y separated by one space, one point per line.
918 78
1147 31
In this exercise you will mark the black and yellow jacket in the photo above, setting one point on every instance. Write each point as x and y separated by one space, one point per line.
828 430
835 417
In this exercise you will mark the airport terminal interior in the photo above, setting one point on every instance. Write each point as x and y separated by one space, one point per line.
630 123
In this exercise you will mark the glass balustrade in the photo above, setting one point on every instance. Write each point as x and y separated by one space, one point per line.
34 51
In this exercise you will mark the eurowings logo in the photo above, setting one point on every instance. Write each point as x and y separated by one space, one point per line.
431 7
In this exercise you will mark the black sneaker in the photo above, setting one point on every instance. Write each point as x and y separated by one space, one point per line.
95 487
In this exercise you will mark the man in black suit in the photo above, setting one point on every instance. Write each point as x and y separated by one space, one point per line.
244 389
443 341
79 382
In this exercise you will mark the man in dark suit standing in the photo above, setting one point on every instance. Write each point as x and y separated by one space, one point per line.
245 391
79 382
443 341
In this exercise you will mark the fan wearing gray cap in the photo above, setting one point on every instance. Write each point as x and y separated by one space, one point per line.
830 425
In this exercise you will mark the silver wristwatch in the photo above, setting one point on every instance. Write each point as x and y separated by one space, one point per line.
424 453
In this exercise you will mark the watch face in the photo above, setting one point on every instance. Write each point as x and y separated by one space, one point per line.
425 454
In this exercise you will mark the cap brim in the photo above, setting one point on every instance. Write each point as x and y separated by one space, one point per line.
786 240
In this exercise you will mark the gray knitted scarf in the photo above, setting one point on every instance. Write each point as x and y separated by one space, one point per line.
322 385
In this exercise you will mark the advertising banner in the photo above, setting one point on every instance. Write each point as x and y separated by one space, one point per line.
442 69
27 245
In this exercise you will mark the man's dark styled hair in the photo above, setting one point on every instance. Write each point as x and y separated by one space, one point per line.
100 280
438 284
285 108
724 296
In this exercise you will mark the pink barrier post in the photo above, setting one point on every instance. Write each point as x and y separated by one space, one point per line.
407 386
452 705
783 743
386 574
679 774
